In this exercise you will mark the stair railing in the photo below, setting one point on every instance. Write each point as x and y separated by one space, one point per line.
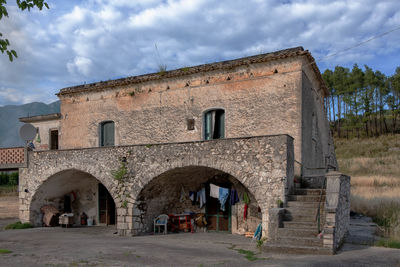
318 216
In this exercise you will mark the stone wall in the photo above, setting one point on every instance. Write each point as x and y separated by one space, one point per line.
260 164
258 99
337 210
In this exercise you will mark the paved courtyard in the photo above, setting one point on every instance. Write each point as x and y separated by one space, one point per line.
99 246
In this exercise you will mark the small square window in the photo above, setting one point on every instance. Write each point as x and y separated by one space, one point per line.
190 124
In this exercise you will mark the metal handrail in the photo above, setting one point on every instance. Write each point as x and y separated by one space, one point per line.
318 216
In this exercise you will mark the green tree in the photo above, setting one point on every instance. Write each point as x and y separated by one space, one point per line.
23 5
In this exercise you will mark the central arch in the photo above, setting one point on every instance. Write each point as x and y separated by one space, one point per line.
175 192
74 191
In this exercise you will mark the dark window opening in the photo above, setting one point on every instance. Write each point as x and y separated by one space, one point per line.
107 133
214 124
53 139
107 212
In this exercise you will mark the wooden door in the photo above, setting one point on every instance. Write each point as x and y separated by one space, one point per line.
106 206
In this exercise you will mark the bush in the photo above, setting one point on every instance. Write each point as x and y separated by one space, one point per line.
388 243
3 178
13 178
18 225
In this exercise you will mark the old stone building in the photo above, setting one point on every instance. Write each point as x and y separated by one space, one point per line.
134 148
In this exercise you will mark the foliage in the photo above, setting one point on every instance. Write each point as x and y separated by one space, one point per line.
4 251
9 178
121 172
23 5
362 102
124 204
18 225
8 190
279 203
388 243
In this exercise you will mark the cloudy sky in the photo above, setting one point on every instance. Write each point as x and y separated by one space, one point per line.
87 41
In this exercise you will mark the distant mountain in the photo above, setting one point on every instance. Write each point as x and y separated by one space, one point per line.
9 123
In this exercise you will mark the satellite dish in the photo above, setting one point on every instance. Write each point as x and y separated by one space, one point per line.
27 132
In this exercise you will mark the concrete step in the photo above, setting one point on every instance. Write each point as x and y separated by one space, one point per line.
303 211
298 217
306 198
304 204
298 232
300 225
300 241
291 249
308 191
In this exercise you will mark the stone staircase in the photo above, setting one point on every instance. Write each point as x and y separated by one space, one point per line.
300 227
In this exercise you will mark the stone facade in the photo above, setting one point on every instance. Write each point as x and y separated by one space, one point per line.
337 210
274 125
259 164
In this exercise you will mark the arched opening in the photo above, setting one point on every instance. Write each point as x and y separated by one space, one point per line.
74 191
178 192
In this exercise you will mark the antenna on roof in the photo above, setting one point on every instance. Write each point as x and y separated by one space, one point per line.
161 66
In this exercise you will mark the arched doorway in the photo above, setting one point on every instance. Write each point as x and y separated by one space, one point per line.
74 191
176 192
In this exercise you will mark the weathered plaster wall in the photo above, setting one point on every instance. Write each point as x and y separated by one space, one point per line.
257 101
259 163
317 144
44 132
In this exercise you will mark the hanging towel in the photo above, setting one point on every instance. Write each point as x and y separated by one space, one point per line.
182 198
192 196
201 197
223 196
246 199
234 197
214 191
258 233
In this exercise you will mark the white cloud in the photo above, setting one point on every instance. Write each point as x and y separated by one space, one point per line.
99 39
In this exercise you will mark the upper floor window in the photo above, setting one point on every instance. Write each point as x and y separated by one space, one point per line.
214 124
107 133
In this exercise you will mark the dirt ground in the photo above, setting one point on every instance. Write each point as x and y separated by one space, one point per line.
101 246
8 207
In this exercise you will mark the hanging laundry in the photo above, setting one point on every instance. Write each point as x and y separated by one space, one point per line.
214 191
182 198
258 233
245 212
246 198
234 197
201 197
192 196
223 196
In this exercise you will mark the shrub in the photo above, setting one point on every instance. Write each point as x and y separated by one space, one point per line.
13 178
18 225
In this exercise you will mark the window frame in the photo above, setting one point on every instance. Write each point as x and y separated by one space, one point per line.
101 133
205 122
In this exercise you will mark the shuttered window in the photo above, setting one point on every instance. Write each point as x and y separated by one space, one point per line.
107 133
214 124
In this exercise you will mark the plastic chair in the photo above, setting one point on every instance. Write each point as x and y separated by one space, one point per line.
161 220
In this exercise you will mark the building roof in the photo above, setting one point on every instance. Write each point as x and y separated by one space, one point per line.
229 64
47 117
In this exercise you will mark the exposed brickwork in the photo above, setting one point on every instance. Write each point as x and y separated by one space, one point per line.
14 155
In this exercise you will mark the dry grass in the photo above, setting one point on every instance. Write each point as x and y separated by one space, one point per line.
374 167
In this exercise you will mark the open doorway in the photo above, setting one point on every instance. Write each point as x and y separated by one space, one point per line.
107 214
218 220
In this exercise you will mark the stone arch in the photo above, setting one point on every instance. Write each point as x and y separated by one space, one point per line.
158 194
52 188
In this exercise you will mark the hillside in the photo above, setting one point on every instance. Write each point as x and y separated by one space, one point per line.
373 164
9 123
